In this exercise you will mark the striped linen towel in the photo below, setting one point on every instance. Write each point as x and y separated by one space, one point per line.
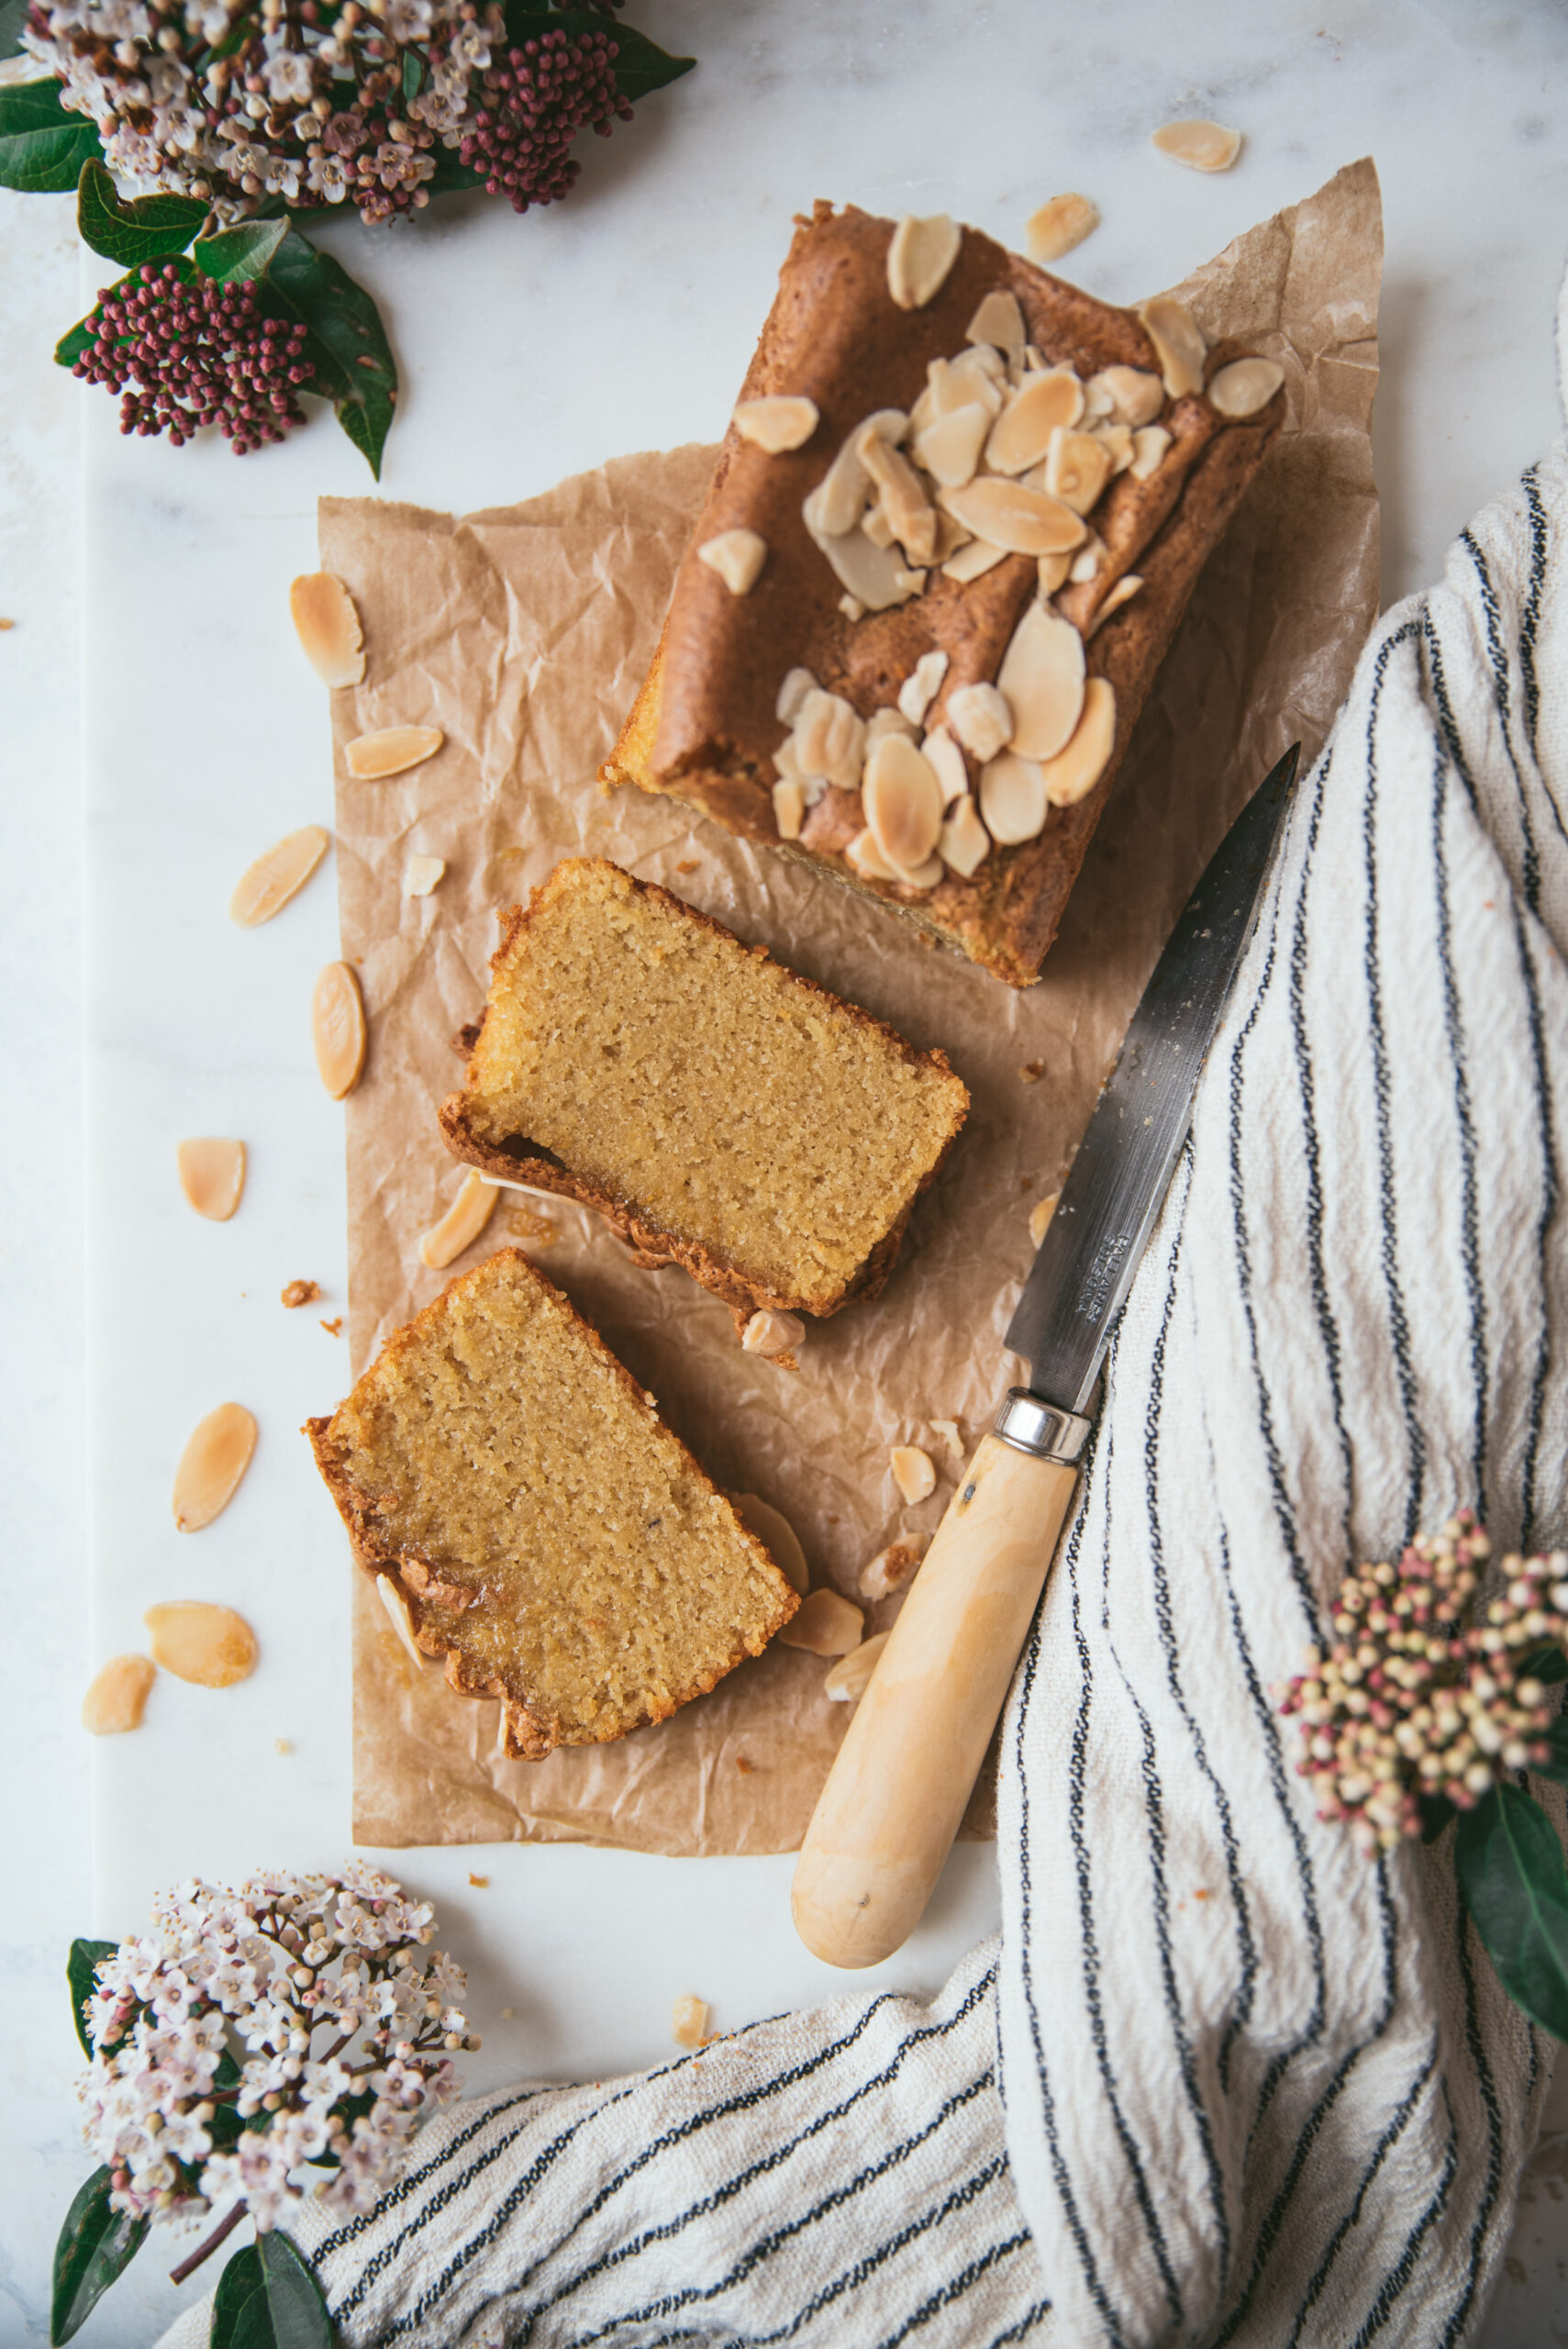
1221 2079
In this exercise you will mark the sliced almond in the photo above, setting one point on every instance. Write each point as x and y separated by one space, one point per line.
265 887
839 499
950 446
847 1680
921 686
1202 146
421 874
903 801
890 1571
920 877
211 1176
688 2022
398 1616
824 1623
786 420
1000 322
980 718
777 1536
736 556
911 516
1057 226
337 1028
868 860
851 607
1076 469
952 1442
373 757
469 1211
919 257
772 1334
1040 1215
966 381
1012 798
211 1465
1007 513
912 1472
1117 442
1245 386
942 753
117 1698
328 626
1053 570
1021 434
964 844
1149 446
1126 588
876 526
1178 343
1042 677
874 577
789 809
1097 401
887 720
1135 396
1074 772
971 561
797 683
211 1646
829 738
1088 561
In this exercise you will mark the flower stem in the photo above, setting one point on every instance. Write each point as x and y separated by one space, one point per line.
220 2234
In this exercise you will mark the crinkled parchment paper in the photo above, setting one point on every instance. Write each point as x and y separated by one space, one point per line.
524 633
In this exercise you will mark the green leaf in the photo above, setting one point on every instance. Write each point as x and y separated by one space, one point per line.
246 251
1435 1811
268 2299
413 73
353 359
85 1957
95 2245
1514 1883
148 229
1549 1664
13 17
42 148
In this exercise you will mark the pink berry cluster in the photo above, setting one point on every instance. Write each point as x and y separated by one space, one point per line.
533 100
1416 1695
196 352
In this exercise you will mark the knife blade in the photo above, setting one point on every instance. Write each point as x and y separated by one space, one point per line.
886 1817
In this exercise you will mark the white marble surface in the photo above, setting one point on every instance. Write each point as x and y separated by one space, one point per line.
528 349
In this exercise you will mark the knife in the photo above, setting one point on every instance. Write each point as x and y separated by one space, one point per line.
886 1817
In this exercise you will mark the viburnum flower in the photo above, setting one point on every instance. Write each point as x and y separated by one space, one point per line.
1415 1697
532 102
196 353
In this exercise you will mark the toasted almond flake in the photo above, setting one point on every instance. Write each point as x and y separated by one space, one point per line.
912 1472
971 561
772 1334
1088 561
211 1176
824 1623
943 755
1053 570
851 607
903 801
919 257
736 556
1245 386
871 577
1178 343
777 1536
1202 146
909 513
964 843
398 1616
117 1698
1042 678
910 583
797 683
328 626
891 1570
337 1028
1010 515
421 874
469 1211
868 860
970 380
1126 588
265 887
1076 469
785 422
688 2022
876 526
839 499
211 1646
1000 322
952 1442
1057 226
1074 772
1012 798
887 720
1135 396
1149 446
829 738
980 718
211 1465
950 446
789 809
370 758
921 686
1021 434
847 1680
1097 406
1117 442
920 877
1040 1215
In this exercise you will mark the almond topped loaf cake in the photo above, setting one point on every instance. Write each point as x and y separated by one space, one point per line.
717 1109
957 516
549 1537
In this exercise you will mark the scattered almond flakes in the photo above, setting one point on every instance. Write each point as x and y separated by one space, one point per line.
1202 146
212 1174
1032 1071
328 626
912 1472
1057 226
392 1598
482 1882
337 1028
845 1682
421 874
334 1328
736 556
826 1624
117 1697
301 1293
919 257
1040 1215
777 1536
891 1570
279 874
775 1336
948 1430
466 1218
688 2022
370 758
215 1459
210 1646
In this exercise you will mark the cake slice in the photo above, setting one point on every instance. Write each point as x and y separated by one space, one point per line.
956 519
551 1538
718 1110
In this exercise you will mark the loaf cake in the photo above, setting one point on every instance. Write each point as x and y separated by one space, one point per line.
549 1536
720 1112
956 519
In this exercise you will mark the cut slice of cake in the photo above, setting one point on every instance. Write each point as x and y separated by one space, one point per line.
552 1540
721 1111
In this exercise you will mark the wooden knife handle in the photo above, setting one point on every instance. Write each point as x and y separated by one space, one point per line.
886 1820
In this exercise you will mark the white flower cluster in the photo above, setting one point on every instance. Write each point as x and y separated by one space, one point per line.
206 2087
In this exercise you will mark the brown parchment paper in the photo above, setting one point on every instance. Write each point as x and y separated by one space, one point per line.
524 633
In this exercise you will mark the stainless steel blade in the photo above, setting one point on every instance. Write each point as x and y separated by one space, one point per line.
1086 1262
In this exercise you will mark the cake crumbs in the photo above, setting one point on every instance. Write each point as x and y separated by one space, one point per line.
334 1328
744 1766
687 864
1202 1893
1031 1072
482 1881
300 1293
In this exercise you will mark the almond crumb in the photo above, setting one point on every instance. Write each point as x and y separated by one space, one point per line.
912 1472
281 1745
334 1328
743 1766
689 864
482 1881
688 2022
300 1293
1031 1072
